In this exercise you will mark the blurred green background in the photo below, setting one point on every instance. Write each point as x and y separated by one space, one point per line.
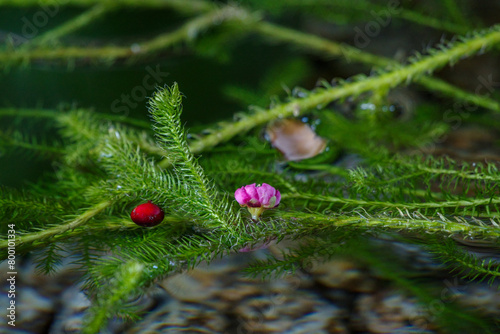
202 76
211 70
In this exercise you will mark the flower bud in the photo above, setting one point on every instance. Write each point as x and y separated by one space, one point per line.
257 198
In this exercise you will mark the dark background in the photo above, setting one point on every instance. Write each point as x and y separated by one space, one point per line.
202 68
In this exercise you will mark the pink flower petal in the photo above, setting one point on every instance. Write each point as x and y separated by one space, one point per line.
278 198
241 196
257 199
265 193
251 190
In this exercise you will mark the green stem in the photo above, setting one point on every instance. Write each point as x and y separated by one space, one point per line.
318 44
54 114
460 256
433 22
186 32
393 180
350 53
438 85
334 170
72 25
57 230
191 6
63 118
125 282
410 206
166 107
393 78
375 9
16 141
411 223
111 224
191 29
440 171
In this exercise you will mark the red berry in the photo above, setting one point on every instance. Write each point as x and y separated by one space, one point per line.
147 214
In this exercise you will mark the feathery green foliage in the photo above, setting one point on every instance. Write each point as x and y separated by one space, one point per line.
106 164
166 108
464 263
124 283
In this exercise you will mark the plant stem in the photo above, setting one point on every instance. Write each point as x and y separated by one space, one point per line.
54 114
408 224
51 232
186 32
191 29
350 53
334 170
72 25
16 140
410 206
111 224
191 6
125 282
398 12
459 173
392 78
433 22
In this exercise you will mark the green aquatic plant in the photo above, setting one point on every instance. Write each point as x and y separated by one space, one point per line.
106 165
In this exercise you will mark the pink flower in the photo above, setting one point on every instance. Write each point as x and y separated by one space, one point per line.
257 198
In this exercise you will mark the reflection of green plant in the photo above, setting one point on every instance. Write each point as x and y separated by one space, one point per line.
107 165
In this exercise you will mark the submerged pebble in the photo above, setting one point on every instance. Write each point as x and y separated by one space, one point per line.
175 316
342 274
386 312
336 296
